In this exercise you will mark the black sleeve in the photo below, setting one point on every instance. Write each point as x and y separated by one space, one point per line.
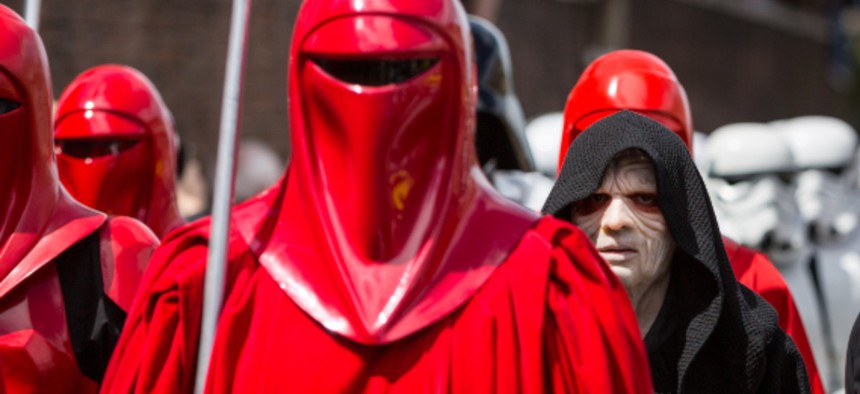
785 371
94 320
852 361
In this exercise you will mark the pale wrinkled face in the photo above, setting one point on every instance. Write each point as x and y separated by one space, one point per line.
624 222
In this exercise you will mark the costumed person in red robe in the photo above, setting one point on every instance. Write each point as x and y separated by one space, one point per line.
641 82
116 146
383 261
632 186
67 273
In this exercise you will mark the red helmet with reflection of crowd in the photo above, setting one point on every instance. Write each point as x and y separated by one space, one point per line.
626 79
116 146
38 223
383 191
33 206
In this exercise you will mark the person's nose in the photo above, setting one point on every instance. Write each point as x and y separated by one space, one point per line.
617 216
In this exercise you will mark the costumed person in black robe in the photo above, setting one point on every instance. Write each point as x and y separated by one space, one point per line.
632 186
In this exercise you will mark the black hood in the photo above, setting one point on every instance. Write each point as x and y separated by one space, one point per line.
726 329
683 200
500 135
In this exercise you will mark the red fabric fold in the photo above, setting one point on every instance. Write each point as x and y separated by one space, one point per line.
551 318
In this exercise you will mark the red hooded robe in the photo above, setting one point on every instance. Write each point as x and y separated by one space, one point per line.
66 272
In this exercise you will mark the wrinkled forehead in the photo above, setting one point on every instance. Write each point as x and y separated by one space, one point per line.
631 168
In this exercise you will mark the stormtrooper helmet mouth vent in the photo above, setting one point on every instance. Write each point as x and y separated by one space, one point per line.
835 170
375 72
784 177
7 106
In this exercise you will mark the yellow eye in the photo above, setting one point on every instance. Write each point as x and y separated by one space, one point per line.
647 201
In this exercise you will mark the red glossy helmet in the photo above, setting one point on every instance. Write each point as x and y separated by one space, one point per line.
34 209
383 107
116 146
632 80
29 190
381 204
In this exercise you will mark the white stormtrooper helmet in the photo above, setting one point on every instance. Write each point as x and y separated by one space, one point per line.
700 153
749 166
258 167
824 149
544 136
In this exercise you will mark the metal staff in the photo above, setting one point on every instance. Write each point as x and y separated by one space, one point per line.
32 10
213 290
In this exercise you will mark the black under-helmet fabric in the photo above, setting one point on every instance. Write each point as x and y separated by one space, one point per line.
500 135
731 341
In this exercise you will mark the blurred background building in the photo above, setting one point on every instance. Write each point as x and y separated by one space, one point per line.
740 60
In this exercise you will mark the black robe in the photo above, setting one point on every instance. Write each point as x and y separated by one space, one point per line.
852 360
712 334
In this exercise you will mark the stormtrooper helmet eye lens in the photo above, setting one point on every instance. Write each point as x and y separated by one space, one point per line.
375 72
8 105
89 148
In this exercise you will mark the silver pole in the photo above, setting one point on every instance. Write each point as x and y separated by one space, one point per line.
213 291
32 10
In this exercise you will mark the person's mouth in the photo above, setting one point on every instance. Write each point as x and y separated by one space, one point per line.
616 252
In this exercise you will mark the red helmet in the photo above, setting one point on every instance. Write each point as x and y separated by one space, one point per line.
116 146
383 192
632 80
34 209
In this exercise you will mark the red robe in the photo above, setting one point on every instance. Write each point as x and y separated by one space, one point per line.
36 351
755 271
552 317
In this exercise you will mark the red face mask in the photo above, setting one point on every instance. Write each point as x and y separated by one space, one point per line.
37 220
116 148
631 80
374 116
14 122
383 187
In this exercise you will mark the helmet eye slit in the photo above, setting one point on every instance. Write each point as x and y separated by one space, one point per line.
7 106
87 148
375 72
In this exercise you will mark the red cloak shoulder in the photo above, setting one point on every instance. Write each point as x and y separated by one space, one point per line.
551 318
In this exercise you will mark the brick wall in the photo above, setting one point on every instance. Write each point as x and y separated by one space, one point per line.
181 46
734 69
